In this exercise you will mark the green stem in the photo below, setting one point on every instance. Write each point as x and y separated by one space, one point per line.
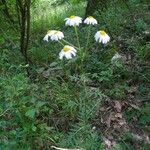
88 37
76 31
70 44
84 103
61 43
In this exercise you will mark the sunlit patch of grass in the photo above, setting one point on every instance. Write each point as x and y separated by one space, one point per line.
47 17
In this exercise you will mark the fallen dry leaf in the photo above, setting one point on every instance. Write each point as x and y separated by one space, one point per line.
107 143
118 115
118 106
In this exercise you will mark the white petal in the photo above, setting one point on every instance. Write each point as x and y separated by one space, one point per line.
100 40
74 50
55 37
66 19
46 38
73 53
68 55
104 41
97 36
61 55
85 21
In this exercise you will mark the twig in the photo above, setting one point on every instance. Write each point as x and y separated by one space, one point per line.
141 138
57 148
4 112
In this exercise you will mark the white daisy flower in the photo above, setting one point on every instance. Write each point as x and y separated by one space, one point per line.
49 33
57 35
102 37
54 35
90 20
73 21
116 57
68 52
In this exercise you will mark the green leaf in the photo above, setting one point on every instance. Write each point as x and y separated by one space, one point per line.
40 104
2 40
31 113
145 119
34 128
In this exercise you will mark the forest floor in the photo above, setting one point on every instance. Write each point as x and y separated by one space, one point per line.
104 107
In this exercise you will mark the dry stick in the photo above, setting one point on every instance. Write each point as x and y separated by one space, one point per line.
58 148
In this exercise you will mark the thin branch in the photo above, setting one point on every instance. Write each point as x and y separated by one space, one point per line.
58 148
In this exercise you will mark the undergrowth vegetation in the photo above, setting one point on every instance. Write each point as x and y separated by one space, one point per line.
104 106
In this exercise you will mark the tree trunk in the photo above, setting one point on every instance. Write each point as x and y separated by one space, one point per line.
23 9
95 5
100 5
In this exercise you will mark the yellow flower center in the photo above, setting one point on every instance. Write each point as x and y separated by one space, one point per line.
103 33
66 49
90 17
51 31
56 32
72 17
